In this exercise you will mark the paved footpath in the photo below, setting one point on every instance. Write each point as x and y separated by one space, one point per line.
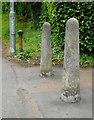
27 95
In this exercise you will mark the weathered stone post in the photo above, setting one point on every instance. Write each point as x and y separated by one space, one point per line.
46 52
12 29
71 83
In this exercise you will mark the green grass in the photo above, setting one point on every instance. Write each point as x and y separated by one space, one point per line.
31 40
31 43
31 37
0 25
5 27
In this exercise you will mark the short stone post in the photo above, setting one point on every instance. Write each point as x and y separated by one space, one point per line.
20 33
71 83
12 29
46 52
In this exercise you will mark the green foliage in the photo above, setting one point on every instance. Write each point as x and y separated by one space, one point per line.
21 9
5 27
31 37
24 55
25 11
58 14
28 18
5 7
86 60
36 11
31 43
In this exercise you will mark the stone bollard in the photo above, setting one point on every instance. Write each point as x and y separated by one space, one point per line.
20 33
12 29
46 52
71 84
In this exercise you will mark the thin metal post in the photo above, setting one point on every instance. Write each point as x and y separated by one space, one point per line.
12 29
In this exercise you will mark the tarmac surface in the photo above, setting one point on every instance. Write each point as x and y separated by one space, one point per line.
27 95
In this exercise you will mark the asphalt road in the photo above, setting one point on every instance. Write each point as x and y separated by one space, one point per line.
26 95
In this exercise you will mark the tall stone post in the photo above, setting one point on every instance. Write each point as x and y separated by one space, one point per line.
71 84
46 52
12 29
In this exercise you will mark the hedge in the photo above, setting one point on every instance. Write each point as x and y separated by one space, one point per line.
58 14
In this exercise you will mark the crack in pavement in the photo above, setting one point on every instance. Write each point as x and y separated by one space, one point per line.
28 105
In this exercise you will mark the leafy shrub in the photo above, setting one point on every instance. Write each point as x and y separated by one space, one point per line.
58 14
86 60
24 55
